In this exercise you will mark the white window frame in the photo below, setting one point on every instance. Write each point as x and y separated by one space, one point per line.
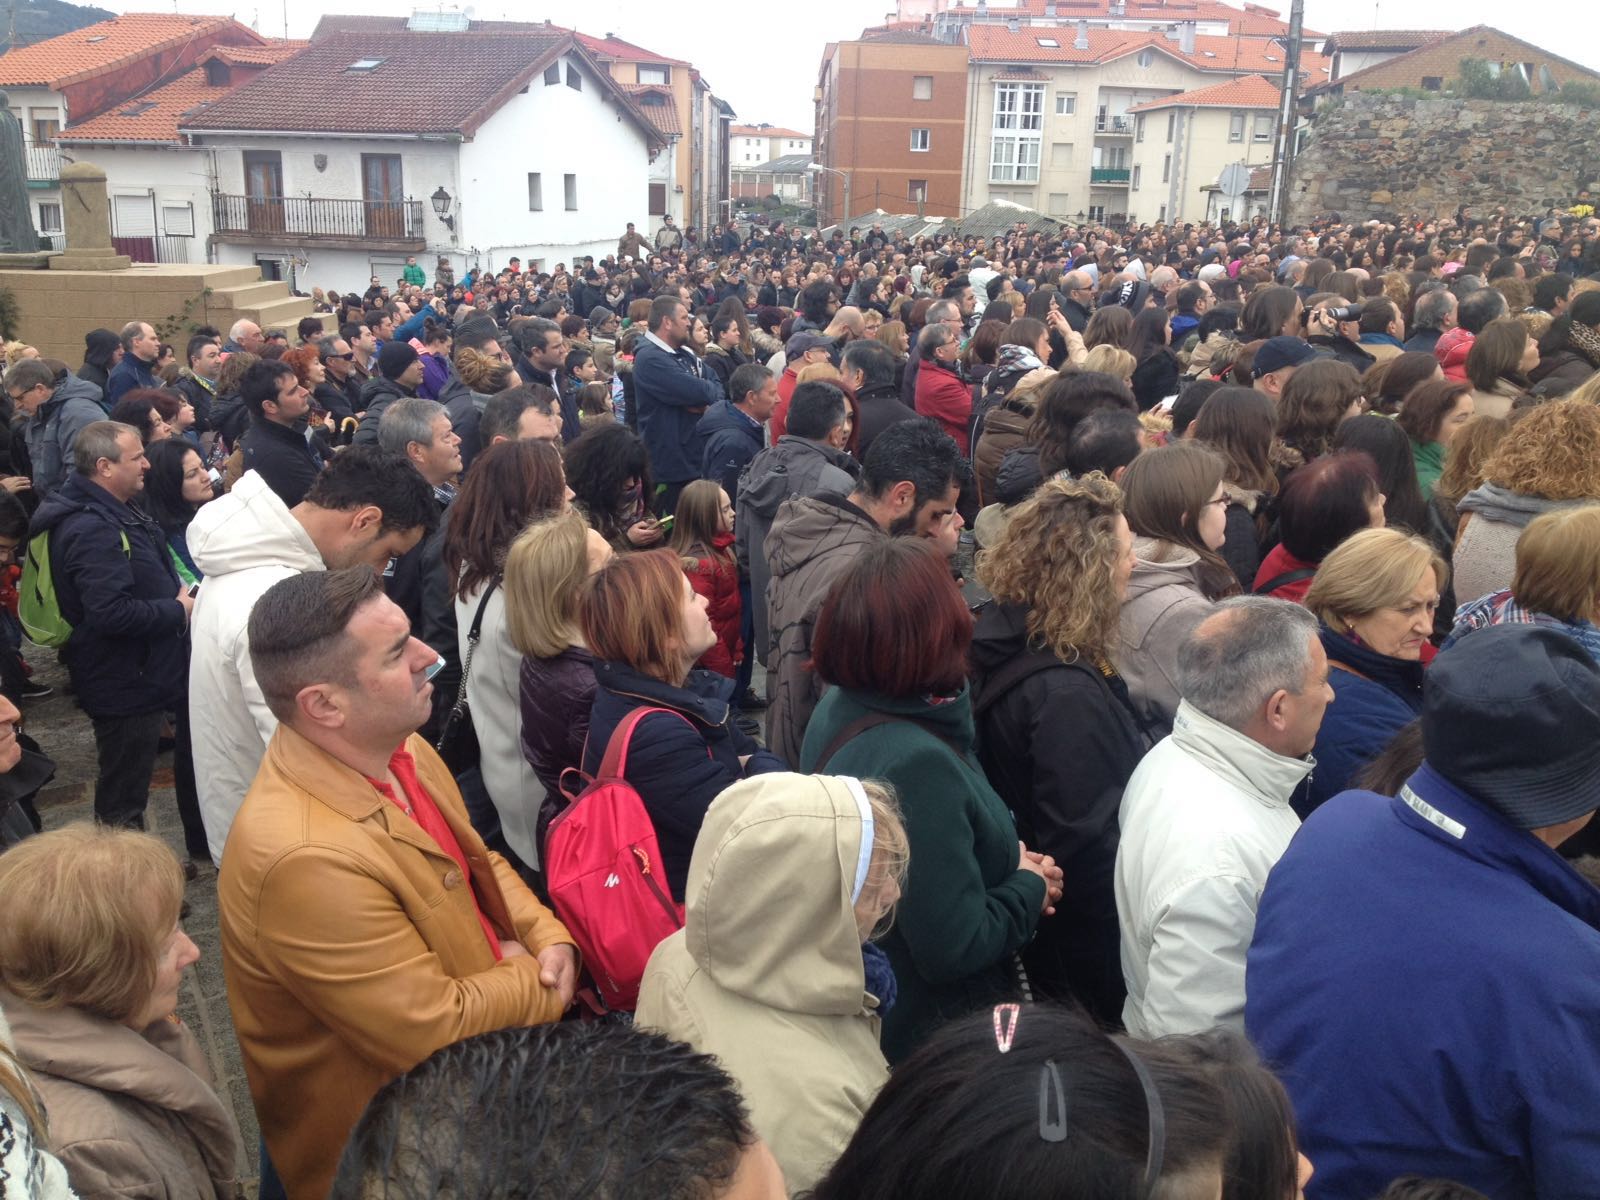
1016 146
1236 127
921 139
1097 212
45 225
1262 127
1066 104
664 72
1133 181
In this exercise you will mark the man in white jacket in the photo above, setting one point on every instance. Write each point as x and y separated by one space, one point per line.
367 506
1206 815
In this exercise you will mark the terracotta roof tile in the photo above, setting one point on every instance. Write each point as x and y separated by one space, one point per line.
1252 19
1249 91
615 47
154 116
1263 55
764 131
663 112
316 90
1385 39
106 45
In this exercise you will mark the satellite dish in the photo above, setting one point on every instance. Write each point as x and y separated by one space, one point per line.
1233 183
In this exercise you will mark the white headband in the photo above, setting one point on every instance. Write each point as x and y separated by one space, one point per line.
864 857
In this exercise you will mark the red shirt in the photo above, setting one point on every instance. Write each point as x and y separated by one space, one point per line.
419 806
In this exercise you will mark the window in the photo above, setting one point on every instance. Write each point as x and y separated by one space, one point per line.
1135 182
917 190
177 220
1097 212
574 80
571 185
1018 119
1138 130
535 192
1146 57
919 140
1117 157
46 124
552 75
1226 213
1261 130
1048 43
661 75
1236 127
922 87
1066 103
1058 202
49 218
1432 83
1060 154
1161 215
1166 169
365 64
1172 124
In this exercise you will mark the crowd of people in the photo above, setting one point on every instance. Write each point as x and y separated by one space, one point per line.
1084 712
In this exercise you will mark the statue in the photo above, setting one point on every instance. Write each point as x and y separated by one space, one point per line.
17 234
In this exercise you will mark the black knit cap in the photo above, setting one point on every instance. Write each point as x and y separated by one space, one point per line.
1511 716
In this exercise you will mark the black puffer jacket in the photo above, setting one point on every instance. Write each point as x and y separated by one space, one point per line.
1059 744
376 395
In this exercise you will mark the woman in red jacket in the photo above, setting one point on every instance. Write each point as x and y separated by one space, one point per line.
702 536
942 393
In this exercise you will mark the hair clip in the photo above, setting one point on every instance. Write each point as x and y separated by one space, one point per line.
1052 1129
1005 1025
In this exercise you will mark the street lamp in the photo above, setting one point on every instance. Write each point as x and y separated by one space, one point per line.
815 167
441 208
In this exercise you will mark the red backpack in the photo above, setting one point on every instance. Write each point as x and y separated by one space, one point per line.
602 866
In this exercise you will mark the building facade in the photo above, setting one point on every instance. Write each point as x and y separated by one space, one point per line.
751 145
891 122
1182 144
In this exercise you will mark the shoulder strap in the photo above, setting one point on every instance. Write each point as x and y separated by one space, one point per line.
615 762
1283 579
473 635
1008 676
871 721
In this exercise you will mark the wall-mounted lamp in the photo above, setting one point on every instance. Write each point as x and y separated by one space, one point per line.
441 208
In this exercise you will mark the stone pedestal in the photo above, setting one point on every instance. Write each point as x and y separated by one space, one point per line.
38 260
86 220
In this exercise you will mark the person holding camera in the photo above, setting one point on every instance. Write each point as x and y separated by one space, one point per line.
1332 326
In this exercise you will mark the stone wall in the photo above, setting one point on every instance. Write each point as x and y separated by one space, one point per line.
1371 155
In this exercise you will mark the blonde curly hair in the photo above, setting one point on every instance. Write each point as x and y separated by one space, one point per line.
1058 558
1553 452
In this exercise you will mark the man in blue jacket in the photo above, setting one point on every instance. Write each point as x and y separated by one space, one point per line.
671 390
141 347
128 655
1425 973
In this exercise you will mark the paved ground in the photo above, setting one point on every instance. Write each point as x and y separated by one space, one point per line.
63 731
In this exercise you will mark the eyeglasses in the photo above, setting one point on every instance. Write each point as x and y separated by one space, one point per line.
348 357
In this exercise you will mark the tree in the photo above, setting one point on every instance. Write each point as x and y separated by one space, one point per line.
1481 80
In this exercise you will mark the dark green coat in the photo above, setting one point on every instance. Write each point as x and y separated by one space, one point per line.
966 909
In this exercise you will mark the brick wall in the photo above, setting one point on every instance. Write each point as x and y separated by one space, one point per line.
1371 155
1443 62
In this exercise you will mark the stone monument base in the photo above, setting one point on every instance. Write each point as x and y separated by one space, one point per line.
36 260
90 260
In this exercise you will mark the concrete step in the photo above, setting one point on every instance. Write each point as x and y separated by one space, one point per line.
248 295
217 277
282 314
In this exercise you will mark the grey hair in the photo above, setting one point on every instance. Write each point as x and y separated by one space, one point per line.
407 420
28 373
1247 648
97 440
1432 308
240 326
942 310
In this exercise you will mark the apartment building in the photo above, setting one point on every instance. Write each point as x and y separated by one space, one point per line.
1182 143
751 145
891 125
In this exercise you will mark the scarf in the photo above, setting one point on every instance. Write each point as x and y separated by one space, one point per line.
881 983
1585 342
1016 358
1501 608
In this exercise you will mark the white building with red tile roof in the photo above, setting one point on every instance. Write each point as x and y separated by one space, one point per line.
1188 139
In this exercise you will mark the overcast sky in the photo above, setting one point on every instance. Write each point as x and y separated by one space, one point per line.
763 58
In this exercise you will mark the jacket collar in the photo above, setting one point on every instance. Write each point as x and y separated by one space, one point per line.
704 697
92 495
1401 676
1245 763
81 1048
837 457
1434 807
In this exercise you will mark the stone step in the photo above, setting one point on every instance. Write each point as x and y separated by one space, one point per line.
249 294
282 314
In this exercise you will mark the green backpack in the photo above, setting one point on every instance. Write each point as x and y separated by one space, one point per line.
38 606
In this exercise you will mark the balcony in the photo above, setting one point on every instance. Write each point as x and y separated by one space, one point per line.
1113 126
333 224
44 165
1116 176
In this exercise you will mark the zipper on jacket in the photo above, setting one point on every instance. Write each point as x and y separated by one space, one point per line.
650 881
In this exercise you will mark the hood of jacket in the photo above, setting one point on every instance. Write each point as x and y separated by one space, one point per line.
1451 350
250 527
1000 634
806 526
769 904
69 388
1159 564
768 482
378 389
1495 503
722 416
78 494
1239 761
1018 476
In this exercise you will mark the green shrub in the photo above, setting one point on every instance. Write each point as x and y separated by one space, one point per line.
10 315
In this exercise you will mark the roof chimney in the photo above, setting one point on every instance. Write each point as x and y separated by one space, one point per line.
1082 40
1013 25
1186 32
1049 8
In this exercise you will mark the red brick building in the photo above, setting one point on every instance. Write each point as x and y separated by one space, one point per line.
891 119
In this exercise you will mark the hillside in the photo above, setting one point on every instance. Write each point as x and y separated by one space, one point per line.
36 20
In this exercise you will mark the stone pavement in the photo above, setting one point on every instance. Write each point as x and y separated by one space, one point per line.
63 732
